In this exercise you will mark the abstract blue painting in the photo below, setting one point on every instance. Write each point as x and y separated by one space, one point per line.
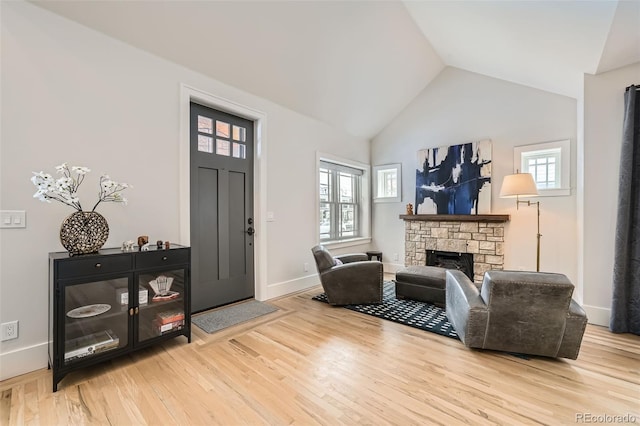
454 179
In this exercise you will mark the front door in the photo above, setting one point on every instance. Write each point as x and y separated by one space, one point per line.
221 152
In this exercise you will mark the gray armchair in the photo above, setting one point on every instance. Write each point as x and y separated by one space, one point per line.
513 311
354 280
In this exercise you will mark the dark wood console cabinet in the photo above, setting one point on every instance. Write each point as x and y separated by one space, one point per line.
104 305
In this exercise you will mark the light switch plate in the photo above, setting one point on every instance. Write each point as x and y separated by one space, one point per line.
13 219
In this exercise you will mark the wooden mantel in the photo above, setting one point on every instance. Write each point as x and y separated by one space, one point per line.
457 217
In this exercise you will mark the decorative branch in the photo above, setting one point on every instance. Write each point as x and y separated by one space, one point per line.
64 189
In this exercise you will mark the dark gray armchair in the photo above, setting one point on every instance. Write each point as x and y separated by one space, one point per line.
513 311
354 280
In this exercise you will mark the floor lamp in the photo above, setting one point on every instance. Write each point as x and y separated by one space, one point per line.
522 185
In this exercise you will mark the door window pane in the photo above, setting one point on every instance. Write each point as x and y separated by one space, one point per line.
205 144
222 129
205 125
239 133
239 150
223 147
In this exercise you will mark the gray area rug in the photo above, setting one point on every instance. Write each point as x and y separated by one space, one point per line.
226 317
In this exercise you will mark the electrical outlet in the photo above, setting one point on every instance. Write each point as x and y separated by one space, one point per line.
306 267
395 257
9 330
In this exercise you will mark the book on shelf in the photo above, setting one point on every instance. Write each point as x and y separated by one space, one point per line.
169 316
90 344
160 328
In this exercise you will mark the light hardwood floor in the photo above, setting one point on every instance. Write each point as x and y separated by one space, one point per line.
309 363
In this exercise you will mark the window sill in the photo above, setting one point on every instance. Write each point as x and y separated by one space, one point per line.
555 192
387 200
346 243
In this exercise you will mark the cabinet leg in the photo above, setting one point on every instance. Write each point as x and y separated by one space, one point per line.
56 380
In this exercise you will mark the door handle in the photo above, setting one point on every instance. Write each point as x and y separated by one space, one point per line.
251 231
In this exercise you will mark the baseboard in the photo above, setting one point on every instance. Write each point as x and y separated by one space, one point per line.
304 283
23 360
597 315
292 286
392 268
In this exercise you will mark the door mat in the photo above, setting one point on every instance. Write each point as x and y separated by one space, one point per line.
218 319
413 313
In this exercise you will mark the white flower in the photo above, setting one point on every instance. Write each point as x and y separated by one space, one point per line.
40 195
80 170
41 177
65 188
64 183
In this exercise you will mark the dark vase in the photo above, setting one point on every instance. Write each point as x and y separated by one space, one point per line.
84 232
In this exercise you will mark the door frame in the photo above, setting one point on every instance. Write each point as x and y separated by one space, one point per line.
190 94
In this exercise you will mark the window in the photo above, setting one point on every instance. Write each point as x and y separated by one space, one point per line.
387 183
223 146
544 166
340 194
548 163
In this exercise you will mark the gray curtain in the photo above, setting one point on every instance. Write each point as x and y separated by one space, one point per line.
625 310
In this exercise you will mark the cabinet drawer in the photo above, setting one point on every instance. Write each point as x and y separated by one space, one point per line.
153 259
95 265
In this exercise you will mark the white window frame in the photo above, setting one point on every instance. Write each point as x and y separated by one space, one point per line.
363 201
563 173
378 174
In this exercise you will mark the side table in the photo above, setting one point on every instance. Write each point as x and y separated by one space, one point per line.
376 254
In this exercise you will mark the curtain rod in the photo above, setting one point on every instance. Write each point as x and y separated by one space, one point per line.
633 85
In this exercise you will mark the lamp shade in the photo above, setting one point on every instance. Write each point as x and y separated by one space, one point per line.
520 184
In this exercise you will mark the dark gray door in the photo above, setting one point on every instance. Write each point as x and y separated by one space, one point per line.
221 147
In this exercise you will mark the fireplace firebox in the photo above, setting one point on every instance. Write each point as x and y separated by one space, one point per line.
451 260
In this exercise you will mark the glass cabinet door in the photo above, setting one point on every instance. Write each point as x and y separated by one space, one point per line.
163 310
95 320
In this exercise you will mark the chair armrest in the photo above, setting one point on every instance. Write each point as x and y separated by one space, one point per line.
573 331
465 309
352 257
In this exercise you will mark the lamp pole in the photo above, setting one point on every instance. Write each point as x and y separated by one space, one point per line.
537 203
538 235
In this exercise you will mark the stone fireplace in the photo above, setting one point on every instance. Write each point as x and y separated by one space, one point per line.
480 235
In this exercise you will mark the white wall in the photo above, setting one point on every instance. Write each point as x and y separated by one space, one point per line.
603 117
70 94
460 106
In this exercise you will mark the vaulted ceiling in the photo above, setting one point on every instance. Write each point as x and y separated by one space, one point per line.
357 64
